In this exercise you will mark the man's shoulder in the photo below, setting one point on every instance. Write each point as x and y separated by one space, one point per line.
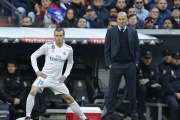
49 43
154 66
67 46
133 30
113 28
160 65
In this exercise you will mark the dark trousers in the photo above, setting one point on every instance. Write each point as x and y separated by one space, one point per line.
144 92
116 72
174 105
12 108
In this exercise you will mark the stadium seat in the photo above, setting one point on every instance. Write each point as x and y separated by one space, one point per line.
25 67
56 101
81 83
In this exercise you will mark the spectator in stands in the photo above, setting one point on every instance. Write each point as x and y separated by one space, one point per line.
82 23
149 23
27 22
147 82
167 24
101 11
154 3
49 13
112 23
69 20
121 5
64 5
177 3
142 13
13 90
154 13
92 19
166 62
163 11
132 21
113 12
140 23
175 18
170 83
31 7
21 5
78 7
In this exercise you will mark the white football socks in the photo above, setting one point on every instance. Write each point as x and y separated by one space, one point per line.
29 105
76 109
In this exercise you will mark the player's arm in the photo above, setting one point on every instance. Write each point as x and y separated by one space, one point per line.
68 67
41 51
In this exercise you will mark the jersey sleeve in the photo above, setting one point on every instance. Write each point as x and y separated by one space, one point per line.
41 51
69 64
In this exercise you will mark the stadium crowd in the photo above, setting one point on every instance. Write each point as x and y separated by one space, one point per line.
142 14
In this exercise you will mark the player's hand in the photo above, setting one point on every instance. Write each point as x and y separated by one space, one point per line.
178 96
155 85
143 81
37 8
62 79
110 66
40 74
16 101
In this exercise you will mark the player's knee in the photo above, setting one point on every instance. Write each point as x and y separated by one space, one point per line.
69 100
33 92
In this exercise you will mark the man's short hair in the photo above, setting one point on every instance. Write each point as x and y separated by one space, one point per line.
164 0
29 18
167 19
12 61
131 8
124 1
154 8
112 7
112 20
132 15
80 18
59 29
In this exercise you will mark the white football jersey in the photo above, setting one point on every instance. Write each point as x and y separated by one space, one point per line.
54 59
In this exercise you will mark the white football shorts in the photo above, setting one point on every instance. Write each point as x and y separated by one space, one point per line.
56 87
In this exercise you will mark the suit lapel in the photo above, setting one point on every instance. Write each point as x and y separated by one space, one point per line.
117 36
129 36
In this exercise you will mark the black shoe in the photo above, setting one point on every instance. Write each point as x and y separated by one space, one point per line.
87 119
27 118
135 118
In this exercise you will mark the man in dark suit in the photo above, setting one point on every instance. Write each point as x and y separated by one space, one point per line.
122 57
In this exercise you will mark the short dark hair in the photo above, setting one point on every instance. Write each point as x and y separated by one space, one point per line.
59 29
112 7
167 19
29 18
112 20
132 15
131 8
12 61
81 18
153 8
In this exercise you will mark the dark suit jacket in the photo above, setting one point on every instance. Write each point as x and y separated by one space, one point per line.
112 45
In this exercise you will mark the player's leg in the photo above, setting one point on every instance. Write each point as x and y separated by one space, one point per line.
38 86
74 106
62 90
30 101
